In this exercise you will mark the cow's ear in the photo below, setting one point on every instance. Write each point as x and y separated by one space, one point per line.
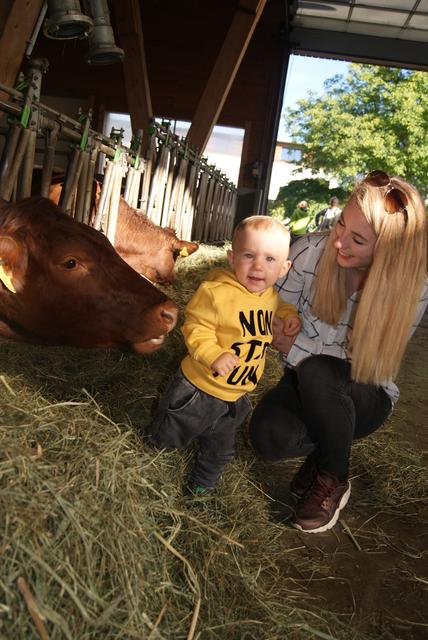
187 248
13 263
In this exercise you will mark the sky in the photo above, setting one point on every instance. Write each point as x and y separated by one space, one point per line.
307 74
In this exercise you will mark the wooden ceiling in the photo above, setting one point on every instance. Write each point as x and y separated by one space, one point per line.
207 63
221 62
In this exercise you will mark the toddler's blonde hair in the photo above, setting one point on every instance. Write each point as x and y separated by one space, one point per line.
262 223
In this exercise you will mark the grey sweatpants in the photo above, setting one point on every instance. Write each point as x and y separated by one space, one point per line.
184 414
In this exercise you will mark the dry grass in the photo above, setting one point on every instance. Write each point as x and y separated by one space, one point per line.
99 529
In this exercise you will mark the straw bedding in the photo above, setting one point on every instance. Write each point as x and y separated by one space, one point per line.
97 538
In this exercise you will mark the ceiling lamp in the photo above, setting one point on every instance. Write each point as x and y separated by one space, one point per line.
66 21
102 47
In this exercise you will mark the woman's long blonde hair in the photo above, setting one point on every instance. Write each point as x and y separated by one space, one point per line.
392 289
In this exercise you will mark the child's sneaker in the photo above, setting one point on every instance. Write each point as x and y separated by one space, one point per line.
197 490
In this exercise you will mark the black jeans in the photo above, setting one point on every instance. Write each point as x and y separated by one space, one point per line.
186 414
317 409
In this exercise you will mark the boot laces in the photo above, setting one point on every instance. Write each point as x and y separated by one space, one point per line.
322 489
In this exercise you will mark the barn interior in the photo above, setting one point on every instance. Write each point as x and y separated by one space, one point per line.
82 500
220 64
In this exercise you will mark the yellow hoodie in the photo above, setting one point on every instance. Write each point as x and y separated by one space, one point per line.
224 316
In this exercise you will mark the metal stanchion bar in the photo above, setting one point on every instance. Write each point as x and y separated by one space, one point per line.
166 209
105 195
28 165
10 180
210 232
113 210
197 198
181 186
67 191
206 216
90 185
200 206
81 188
49 159
9 152
189 204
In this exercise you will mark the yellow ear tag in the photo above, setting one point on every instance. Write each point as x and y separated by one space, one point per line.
6 279
183 252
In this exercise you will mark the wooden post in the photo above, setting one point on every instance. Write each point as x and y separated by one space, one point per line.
20 23
128 25
224 72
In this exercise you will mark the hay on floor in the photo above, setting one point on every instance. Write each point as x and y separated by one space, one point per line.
96 528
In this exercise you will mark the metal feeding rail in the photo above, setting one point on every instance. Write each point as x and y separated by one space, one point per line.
172 183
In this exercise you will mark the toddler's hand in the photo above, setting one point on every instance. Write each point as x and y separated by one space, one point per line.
224 364
291 326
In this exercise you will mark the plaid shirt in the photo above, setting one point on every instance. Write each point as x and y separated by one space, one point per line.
317 337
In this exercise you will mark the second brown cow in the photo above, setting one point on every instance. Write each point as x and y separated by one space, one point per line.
148 248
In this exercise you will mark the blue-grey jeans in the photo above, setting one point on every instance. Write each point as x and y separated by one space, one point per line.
185 414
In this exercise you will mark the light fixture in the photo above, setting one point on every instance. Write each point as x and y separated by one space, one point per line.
102 47
66 21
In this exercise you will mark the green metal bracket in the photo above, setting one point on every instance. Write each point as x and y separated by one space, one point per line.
86 119
25 115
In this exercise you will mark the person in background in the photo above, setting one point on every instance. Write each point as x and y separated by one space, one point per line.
360 291
326 218
227 329
300 220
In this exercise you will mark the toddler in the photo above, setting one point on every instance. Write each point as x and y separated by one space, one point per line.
227 329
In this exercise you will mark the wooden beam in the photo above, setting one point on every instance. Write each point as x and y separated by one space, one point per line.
17 31
224 72
251 5
130 34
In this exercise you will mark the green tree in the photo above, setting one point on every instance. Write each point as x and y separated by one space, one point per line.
315 191
374 118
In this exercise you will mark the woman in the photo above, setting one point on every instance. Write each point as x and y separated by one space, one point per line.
361 291
326 219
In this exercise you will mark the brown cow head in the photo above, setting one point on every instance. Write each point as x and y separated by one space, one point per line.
63 283
148 248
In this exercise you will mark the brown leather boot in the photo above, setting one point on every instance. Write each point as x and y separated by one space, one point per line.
318 510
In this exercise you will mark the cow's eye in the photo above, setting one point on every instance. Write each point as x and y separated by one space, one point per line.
71 263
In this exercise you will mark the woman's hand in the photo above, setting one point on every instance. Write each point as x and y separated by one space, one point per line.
280 341
291 326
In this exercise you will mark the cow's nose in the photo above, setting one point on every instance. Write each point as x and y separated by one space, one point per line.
169 313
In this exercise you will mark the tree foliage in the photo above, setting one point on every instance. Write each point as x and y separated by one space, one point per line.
315 191
374 118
